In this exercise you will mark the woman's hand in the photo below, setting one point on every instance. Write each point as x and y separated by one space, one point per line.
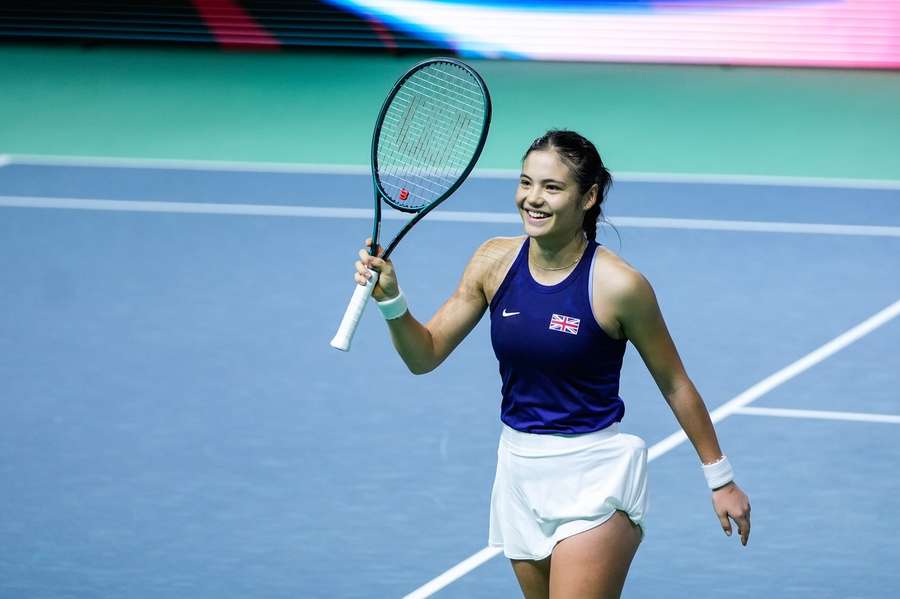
387 286
730 502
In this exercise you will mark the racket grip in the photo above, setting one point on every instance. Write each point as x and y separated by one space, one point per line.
354 312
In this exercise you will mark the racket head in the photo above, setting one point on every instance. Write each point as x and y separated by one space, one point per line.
429 133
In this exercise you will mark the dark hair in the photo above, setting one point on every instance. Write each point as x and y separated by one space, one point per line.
580 155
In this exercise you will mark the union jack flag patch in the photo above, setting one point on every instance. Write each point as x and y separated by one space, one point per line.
565 324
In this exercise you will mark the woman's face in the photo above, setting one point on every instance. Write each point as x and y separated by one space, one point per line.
548 198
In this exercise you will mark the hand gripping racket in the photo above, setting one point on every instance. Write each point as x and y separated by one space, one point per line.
427 138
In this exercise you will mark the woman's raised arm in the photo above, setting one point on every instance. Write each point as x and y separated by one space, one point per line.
424 346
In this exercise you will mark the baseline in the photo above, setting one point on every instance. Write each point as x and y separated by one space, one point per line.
436 215
486 173
820 414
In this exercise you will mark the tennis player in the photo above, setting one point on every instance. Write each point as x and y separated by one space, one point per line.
569 496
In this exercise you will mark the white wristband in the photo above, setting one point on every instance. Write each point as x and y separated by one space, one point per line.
394 307
719 473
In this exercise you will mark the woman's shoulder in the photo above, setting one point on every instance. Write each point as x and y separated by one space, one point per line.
616 279
492 261
500 247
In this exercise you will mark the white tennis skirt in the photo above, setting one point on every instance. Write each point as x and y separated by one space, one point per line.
549 487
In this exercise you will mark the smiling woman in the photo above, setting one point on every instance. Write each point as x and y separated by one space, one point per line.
561 165
570 488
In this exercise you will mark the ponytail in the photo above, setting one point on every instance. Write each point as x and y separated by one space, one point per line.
590 222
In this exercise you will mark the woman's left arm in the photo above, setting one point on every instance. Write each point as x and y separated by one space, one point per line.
642 323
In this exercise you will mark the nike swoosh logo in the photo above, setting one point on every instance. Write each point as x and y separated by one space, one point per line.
506 314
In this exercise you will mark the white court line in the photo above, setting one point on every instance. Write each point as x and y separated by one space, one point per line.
730 407
821 414
482 173
4 160
437 215
767 180
190 165
785 374
755 226
190 207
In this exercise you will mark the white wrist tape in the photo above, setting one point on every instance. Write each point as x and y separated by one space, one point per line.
719 473
394 307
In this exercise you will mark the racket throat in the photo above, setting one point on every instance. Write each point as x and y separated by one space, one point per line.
376 226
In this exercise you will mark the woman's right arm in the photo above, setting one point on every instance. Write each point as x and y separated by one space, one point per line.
424 346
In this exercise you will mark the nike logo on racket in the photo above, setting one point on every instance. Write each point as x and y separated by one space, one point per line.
508 314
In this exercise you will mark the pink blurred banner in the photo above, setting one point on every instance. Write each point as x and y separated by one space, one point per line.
827 33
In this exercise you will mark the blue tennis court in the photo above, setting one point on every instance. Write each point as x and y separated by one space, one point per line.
174 424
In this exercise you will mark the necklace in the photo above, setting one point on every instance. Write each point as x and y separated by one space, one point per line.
581 251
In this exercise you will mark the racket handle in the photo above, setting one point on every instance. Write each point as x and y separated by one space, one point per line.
354 312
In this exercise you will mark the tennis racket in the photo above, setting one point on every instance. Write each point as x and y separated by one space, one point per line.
428 136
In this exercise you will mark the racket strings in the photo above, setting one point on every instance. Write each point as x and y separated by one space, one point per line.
405 126
458 97
475 114
430 134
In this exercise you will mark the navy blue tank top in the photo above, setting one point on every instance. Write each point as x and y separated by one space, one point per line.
560 370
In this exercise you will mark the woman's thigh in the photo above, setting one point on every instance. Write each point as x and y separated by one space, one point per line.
593 564
533 577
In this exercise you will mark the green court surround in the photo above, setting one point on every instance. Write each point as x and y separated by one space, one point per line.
155 102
